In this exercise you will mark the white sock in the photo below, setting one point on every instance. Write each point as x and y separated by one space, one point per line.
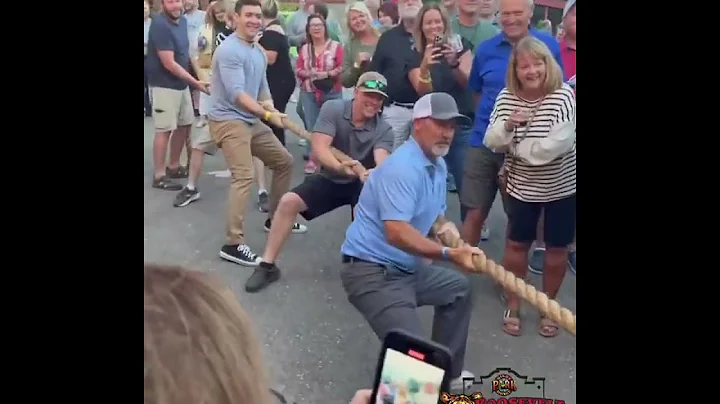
190 186
262 191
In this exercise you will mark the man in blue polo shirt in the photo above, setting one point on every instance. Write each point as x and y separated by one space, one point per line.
487 79
384 273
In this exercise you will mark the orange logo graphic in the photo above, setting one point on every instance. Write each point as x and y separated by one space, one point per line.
460 398
503 385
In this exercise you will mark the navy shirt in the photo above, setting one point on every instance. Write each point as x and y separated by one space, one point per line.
487 76
394 56
166 35
406 187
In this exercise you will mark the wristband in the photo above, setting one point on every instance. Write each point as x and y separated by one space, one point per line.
266 116
444 252
425 80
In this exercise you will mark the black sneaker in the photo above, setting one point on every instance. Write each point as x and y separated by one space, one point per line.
263 202
184 197
264 275
239 254
297 228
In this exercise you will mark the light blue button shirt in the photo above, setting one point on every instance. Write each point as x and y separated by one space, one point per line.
406 187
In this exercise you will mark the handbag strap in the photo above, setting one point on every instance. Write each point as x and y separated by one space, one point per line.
510 154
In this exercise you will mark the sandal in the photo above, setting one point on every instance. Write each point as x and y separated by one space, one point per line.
177 173
511 322
548 328
164 183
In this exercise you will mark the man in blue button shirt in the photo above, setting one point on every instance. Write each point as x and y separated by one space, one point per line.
384 273
487 79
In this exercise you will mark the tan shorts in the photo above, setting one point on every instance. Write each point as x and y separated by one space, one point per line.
202 141
171 108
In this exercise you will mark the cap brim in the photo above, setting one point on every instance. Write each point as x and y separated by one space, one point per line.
460 119
370 90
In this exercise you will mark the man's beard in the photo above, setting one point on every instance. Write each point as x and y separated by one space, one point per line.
171 15
409 13
440 150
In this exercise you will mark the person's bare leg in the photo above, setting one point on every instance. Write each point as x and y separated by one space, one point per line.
515 261
178 140
188 149
160 145
288 208
472 226
556 261
197 158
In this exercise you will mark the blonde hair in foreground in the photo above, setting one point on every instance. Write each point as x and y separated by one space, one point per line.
535 48
199 342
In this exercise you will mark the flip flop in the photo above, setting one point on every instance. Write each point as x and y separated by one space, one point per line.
511 322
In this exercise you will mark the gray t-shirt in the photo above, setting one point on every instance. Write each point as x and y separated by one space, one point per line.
237 66
335 120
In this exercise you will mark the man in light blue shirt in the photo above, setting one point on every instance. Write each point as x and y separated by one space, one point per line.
384 273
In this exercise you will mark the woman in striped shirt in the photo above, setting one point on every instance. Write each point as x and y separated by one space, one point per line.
534 124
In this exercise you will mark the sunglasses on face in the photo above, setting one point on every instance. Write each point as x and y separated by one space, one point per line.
374 85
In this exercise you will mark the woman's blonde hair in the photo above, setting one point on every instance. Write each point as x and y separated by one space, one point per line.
199 342
214 7
535 48
420 41
360 7
270 8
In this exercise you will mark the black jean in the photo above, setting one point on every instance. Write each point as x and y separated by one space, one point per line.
281 96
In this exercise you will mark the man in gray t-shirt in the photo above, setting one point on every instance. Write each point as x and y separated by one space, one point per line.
355 128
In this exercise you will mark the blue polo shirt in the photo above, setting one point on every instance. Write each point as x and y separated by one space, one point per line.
406 187
487 76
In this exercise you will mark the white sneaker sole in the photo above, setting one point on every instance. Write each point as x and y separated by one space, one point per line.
189 200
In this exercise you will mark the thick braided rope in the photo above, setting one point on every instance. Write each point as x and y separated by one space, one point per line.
551 308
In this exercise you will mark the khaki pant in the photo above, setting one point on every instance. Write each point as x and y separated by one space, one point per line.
171 108
239 142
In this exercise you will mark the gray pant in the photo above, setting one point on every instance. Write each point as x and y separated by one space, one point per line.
400 120
388 297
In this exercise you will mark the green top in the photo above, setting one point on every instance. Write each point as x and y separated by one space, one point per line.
350 74
334 30
477 34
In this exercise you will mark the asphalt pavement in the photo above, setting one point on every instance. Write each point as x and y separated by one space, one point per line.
318 348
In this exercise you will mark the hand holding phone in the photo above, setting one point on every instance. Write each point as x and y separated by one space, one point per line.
410 369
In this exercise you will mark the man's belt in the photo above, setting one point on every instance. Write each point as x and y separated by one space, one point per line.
348 259
407 105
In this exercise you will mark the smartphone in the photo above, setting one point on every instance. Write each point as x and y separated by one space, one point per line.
411 369
438 42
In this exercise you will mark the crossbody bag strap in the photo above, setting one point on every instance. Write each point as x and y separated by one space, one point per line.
510 152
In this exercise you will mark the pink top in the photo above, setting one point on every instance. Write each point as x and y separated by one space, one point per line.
331 60
568 58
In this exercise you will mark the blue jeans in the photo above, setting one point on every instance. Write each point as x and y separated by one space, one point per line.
455 160
311 109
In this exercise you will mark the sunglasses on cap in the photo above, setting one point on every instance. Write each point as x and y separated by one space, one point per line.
374 85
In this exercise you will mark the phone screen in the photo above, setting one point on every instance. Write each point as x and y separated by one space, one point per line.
407 378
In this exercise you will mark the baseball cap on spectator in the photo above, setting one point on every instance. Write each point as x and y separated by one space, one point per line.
440 106
570 4
372 82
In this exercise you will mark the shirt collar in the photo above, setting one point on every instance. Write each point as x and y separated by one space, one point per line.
417 151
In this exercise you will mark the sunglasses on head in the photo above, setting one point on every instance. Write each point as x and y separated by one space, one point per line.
374 85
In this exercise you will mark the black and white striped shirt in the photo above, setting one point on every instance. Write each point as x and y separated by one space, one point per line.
541 157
